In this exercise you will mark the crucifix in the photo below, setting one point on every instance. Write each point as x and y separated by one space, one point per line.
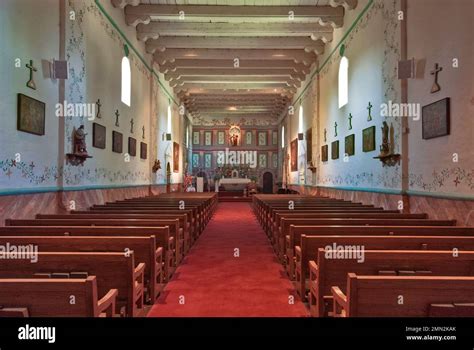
325 135
335 129
143 132
98 104
132 123
31 83
369 108
350 121
117 114
435 72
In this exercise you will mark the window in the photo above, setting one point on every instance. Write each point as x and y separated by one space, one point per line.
126 81
282 137
343 82
300 120
187 137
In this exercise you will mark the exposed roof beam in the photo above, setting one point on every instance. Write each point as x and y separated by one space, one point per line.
235 14
154 30
229 79
299 56
229 63
189 72
178 42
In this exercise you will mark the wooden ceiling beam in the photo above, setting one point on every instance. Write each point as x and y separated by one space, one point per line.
299 56
189 72
154 30
179 42
229 64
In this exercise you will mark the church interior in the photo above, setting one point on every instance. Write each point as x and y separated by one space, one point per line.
237 158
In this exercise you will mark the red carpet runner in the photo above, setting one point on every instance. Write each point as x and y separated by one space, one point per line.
212 282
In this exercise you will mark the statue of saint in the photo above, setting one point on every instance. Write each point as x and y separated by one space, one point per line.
234 140
385 147
80 141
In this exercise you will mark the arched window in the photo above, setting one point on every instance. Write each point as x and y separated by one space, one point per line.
283 137
169 119
343 82
126 81
300 120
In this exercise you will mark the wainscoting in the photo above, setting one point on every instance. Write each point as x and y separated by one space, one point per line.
26 206
460 210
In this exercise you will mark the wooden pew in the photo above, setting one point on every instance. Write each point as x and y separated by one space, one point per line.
173 226
331 270
286 221
296 231
310 245
51 297
162 237
112 270
144 248
121 215
379 296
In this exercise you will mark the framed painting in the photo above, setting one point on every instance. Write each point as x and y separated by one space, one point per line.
196 138
195 160
208 138
248 137
143 150
324 153
262 160
349 145
208 160
335 150
368 139
117 142
31 115
132 146
99 136
436 119
175 157
262 138
294 155
221 137
274 138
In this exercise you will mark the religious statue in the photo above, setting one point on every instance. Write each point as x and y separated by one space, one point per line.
385 147
156 166
234 140
80 141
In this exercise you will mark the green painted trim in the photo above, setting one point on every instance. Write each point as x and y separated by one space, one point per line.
351 28
21 191
122 34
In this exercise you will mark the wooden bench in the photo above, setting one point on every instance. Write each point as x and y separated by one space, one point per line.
144 249
310 245
112 270
52 297
381 296
331 270
296 231
173 226
286 221
161 234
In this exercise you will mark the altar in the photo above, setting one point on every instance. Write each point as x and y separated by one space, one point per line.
234 184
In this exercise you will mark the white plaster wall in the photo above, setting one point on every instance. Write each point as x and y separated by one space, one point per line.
438 32
372 48
28 30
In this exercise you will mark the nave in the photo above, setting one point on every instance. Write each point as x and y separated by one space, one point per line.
230 272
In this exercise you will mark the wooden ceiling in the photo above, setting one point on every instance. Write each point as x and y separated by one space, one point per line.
228 58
